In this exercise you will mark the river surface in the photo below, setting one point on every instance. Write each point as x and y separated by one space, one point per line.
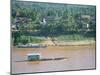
77 58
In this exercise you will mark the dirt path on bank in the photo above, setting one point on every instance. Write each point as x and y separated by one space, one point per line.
49 41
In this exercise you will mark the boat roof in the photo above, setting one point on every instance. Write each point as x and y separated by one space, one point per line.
33 54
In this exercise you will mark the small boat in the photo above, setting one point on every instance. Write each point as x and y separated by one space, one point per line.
37 57
33 56
31 46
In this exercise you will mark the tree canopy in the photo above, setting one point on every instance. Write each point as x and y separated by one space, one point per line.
52 19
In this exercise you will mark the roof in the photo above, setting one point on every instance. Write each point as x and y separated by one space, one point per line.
33 54
86 16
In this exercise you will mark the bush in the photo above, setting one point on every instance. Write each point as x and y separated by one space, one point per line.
73 37
30 39
24 39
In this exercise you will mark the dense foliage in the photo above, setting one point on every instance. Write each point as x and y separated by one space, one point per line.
49 19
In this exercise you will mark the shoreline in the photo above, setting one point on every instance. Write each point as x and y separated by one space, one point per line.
70 43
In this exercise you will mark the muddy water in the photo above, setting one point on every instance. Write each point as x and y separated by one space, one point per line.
78 57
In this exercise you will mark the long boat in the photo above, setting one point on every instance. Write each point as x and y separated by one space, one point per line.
31 46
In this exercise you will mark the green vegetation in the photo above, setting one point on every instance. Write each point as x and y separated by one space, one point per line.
31 20
28 39
74 37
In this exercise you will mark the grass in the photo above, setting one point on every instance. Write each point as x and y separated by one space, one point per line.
30 39
74 37
66 38
36 39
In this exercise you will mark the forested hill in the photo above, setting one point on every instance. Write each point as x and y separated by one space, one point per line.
51 19
67 14
57 9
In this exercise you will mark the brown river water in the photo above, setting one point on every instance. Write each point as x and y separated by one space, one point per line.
77 58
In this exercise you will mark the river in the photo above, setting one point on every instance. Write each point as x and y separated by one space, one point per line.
78 57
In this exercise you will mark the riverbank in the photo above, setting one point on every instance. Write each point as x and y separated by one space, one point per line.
60 43
49 42
53 42
85 42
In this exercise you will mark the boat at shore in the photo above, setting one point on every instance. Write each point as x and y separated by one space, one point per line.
31 46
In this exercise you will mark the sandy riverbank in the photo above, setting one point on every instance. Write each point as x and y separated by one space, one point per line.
49 42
